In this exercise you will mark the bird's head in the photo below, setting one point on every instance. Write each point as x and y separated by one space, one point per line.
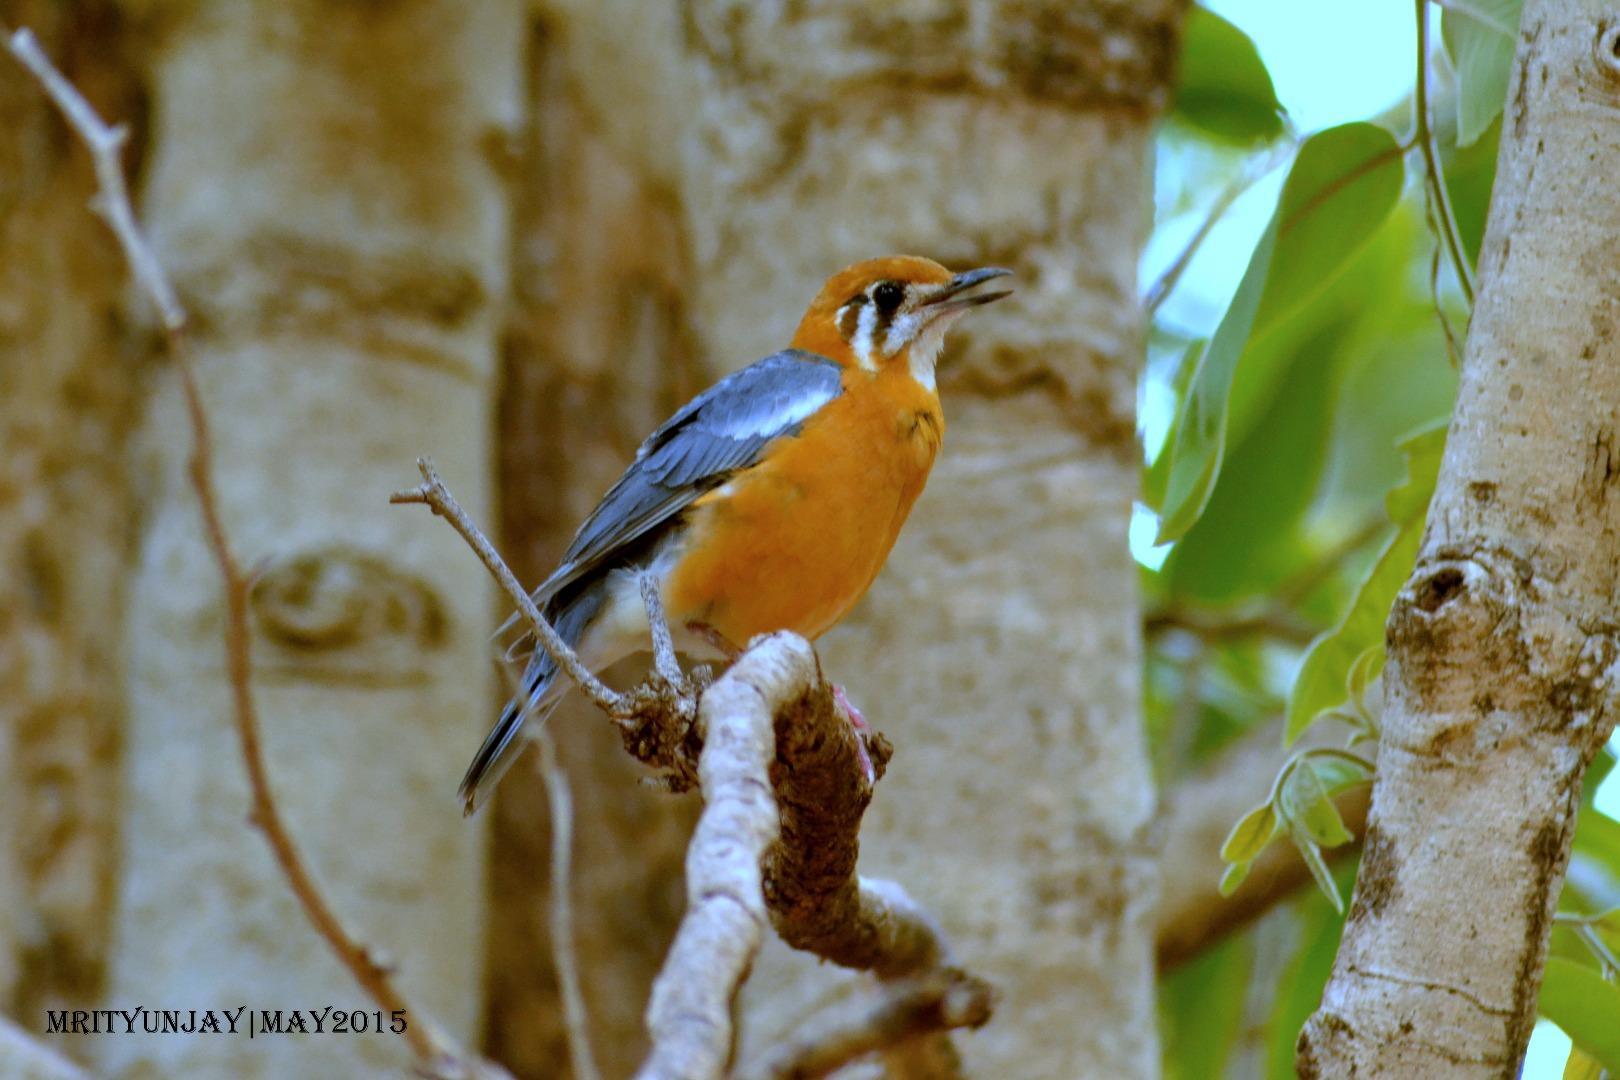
895 309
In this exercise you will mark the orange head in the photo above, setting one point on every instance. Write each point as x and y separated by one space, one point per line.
893 309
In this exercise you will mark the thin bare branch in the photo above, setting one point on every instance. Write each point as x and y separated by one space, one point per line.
937 1001
433 494
113 203
1276 618
436 1056
575 1019
1435 178
1453 346
1251 174
1223 626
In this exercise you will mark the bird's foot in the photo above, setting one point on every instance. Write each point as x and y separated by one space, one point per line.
862 730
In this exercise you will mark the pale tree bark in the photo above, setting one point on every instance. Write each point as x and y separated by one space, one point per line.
597 353
1502 646
321 188
25 1058
67 389
999 649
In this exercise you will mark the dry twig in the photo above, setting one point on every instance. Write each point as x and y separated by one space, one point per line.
435 1055
657 719
435 496
575 1019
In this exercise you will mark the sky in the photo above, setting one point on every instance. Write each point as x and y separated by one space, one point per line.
1332 61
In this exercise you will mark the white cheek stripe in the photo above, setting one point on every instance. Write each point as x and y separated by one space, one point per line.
862 345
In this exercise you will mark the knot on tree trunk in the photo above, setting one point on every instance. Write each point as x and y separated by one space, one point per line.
1481 635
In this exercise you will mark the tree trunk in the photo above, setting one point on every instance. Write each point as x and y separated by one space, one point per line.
1005 671
596 355
1502 645
322 189
67 390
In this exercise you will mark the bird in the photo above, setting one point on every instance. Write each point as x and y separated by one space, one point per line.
768 502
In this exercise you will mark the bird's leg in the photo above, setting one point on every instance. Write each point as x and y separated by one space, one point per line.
862 730
716 640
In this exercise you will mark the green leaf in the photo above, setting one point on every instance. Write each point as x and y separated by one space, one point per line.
1470 172
1582 1066
1223 87
1423 449
1602 765
1338 772
1250 835
1157 475
1319 870
1343 184
1480 36
1324 673
1243 546
1233 876
1299 984
1580 1001
1594 880
1198 438
1363 672
1307 806
1201 1005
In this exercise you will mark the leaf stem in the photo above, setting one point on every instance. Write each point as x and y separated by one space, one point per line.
1252 174
1434 176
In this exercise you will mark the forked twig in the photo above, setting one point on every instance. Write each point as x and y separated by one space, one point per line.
435 496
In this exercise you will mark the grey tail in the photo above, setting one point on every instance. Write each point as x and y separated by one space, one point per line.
542 690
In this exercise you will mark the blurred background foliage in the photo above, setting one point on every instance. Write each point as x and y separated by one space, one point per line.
1308 316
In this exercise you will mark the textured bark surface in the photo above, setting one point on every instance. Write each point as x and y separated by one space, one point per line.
321 188
597 353
68 385
1502 646
999 648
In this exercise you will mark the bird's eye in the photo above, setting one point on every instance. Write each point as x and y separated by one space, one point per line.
888 295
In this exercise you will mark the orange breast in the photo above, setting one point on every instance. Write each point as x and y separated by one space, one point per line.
794 542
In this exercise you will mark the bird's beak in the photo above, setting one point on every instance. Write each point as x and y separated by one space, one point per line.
951 298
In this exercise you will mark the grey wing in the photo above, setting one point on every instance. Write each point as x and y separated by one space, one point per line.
720 431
